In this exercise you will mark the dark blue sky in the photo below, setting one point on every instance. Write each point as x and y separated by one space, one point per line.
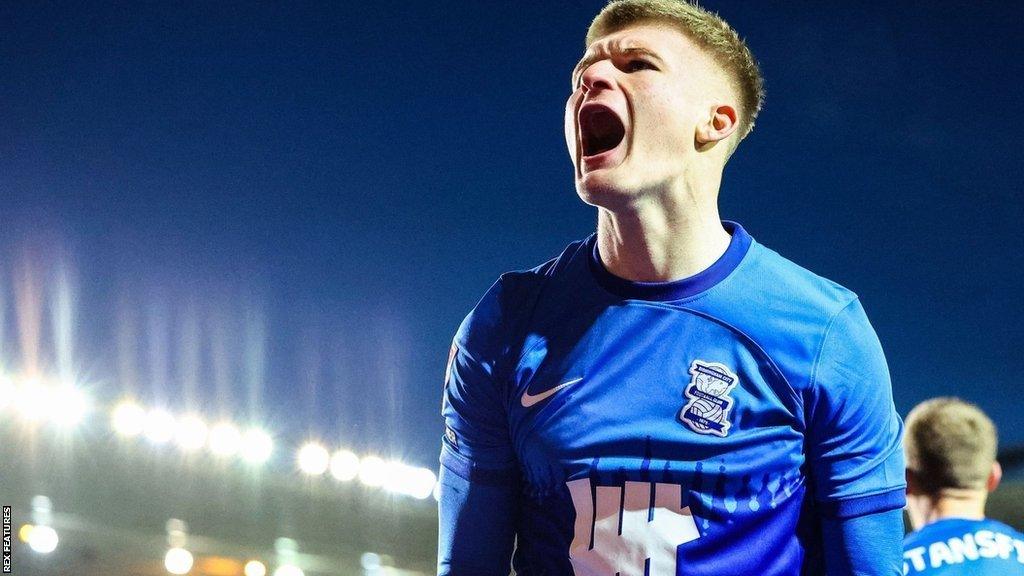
287 210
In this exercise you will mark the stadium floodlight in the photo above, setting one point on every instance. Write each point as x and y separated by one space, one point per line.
421 483
178 561
373 471
128 419
313 460
257 446
370 561
191 433
225 439
25 533
437 491
159 426
33 401
289 570
344 465
396 477
408 480
43 539
255 568
69 406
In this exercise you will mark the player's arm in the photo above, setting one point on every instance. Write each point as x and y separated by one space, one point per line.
479 481
477 529
863 545
854 443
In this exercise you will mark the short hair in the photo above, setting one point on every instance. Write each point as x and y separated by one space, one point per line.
703 27
949 443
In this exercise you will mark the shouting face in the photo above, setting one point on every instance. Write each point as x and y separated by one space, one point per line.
641 98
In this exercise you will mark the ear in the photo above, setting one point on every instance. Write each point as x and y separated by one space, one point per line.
721 122
994 477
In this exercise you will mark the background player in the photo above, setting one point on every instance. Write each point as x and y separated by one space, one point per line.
951 468
667 396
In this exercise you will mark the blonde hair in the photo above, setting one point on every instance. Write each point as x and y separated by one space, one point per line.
949 443
705 28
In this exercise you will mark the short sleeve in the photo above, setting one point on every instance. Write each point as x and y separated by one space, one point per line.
854 435
476 444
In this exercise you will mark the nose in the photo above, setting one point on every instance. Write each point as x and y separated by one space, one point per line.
598 76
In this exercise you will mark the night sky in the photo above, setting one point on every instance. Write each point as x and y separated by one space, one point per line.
281 213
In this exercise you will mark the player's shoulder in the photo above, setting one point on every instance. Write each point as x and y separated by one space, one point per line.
787 310
940 530
788 284
776 301
511 300
999 527
945 529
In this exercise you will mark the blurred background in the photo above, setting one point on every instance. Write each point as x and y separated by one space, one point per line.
237 238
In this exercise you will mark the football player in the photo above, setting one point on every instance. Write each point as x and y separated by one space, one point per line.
951 467
667 396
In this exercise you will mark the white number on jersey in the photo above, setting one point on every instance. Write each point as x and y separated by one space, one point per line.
641 539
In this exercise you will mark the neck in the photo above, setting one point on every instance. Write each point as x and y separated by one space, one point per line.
951 503
663 239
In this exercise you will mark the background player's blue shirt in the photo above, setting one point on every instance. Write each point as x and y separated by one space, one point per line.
960 547
697 427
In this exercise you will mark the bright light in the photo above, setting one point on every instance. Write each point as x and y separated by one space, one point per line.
373 471
313 460
43 539
403 479
64 406
396 477
159 426
128 419
7 391
370 561
225 439
218 566
255 568
289 570
191 433
25 532
421 483
69 406
33 401
178 561
344 465
437 492
257 446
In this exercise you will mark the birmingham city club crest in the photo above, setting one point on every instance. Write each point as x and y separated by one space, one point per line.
707 411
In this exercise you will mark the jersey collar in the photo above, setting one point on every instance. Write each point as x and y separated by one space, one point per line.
676 289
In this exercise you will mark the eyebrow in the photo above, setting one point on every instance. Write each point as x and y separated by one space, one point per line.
594 57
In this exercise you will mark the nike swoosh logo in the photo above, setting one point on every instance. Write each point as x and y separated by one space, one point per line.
531 399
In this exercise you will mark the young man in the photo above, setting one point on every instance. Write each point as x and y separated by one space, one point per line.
667 396
951 468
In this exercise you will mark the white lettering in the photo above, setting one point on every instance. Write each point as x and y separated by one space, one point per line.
969 547
986 543
964 547
939 553
649 530
916 556
1005 545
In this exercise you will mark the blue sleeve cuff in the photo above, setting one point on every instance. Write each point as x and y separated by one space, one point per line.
870 544
472 472
862 505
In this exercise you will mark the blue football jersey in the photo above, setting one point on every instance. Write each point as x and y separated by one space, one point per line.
696 427
960 547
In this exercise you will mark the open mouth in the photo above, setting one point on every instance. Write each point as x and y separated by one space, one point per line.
601 129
